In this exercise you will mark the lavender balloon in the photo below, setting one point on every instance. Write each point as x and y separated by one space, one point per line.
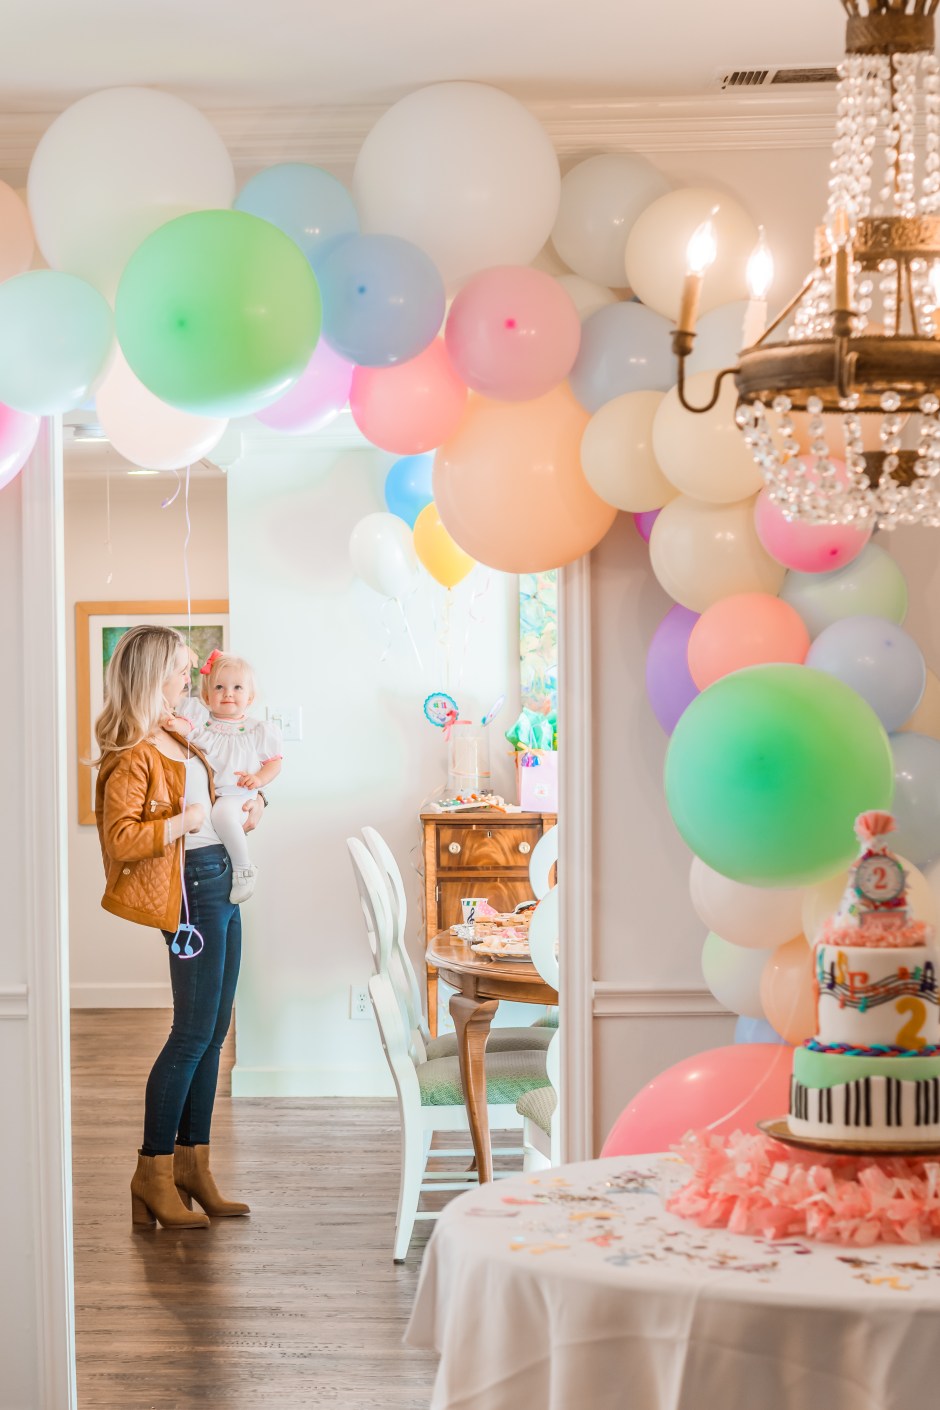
315 399
645 521
669 685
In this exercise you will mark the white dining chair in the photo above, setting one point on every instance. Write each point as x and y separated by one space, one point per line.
541 1130
543 861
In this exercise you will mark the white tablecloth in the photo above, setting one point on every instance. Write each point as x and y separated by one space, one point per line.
574 1290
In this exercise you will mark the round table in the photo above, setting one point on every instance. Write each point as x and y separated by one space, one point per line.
574 1288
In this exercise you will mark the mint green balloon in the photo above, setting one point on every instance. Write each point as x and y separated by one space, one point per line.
768 769
56 335
218 313
872 585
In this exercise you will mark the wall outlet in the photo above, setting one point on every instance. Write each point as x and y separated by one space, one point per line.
359 1006
289 719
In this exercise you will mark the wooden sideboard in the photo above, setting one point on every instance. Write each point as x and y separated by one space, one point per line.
478 853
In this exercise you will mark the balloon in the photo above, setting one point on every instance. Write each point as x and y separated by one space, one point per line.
657 249
145 430
749 629
788 991
718 339
19 431
57 335
412 407
756 1030
879 660
446 563
668 683
703 552
16 234
807 548
624 348
600 200
821 902
513 333
704 455
757 917
383 554
617 454
315 399
586 297
916 804
509 485
304 201
733 975
870 586
408 487
383 300
768 769
644 523
115 166
464 171
218 313
926 718
722 1090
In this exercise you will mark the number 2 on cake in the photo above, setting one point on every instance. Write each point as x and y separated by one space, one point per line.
911 1035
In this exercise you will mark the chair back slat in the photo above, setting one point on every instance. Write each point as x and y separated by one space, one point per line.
406 979
373 897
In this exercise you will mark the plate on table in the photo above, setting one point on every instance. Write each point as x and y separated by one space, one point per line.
779 1130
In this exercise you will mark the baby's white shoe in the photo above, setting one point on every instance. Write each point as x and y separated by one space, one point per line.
243 884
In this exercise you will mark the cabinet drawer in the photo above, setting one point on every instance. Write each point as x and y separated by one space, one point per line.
486 849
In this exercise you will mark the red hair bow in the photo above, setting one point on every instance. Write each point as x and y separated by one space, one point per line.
209 662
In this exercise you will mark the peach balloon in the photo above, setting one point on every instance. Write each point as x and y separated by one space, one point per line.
17 245
446 563
703 552
749 629
788 991
509 485
926 718
412 407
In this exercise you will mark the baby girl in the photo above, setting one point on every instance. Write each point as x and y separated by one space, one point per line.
245 754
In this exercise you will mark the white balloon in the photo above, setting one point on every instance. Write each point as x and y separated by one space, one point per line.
145 430
718 338
733 975
586 297
755 917
703 552
464 171
600 200
382 550
617 454
821 902
704 454
115 166
658 245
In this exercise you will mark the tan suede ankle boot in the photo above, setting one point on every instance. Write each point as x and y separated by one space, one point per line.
194 1181
154 1196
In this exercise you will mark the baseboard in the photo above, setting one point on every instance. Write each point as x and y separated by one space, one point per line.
153 995
311 1081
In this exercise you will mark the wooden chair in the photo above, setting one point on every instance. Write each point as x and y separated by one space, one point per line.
540 1133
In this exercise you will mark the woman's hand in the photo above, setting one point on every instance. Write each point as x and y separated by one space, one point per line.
254 808
194 817
248 781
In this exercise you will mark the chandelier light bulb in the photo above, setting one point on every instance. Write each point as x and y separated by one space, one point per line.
760 269
702 249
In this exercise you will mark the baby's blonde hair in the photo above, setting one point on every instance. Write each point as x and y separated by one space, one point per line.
134 700
222 660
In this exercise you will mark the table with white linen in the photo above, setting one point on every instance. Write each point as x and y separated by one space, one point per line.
573 1289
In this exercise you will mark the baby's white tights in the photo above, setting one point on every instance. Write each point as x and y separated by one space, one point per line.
228 819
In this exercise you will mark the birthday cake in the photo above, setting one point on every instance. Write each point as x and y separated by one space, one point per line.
872 1071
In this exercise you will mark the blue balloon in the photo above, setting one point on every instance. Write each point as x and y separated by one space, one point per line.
878 659
408 487
916 806
383 299
304 201
625 347
756 1030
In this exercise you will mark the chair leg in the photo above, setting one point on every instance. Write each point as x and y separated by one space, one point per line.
413 1161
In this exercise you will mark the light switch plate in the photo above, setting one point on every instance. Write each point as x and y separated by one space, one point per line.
288 719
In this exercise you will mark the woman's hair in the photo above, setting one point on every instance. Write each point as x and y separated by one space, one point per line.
217 662
134 700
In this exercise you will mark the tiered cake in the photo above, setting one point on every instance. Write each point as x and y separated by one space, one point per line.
872 1072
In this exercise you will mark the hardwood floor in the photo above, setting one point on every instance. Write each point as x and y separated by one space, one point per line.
299 1305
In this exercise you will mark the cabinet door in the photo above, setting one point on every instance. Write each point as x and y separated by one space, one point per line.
502 894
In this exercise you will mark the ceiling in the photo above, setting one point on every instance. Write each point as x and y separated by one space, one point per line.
287 52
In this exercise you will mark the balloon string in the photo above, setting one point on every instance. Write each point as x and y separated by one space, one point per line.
175 495
472 617
411 635
779 1057
109 547
389 602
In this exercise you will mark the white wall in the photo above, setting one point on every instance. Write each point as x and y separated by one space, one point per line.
318 637
114 964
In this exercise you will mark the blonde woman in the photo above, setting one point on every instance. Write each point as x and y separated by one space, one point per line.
146 773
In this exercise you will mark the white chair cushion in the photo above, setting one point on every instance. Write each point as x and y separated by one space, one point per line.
501 1040
508 1077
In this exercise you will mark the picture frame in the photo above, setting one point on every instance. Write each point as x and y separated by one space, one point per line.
98 628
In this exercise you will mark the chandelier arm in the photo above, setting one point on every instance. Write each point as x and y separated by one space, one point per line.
716 388
784 311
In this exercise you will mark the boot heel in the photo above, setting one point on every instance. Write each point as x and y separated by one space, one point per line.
140 1212
185 1196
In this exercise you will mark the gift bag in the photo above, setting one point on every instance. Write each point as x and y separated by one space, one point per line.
538 780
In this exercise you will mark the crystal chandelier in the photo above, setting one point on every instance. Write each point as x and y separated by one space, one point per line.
853 361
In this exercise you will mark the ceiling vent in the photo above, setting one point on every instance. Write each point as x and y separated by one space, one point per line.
810 76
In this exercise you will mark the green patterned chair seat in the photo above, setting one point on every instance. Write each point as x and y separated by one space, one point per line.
538 1106
508 1077
501 1040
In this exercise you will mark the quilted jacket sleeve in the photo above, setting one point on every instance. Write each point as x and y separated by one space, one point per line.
124 836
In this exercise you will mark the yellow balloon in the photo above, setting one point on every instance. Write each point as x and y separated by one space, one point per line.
446 563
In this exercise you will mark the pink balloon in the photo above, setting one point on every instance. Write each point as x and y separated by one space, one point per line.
18 433
412 407
746 629
724 1089
513 333
807 548
318 395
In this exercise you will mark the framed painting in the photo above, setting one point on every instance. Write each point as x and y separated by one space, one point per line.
99 627
538 640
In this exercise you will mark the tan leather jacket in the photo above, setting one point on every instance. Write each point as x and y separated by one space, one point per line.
137 790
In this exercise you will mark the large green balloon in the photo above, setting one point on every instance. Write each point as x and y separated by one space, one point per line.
768 769
218 312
